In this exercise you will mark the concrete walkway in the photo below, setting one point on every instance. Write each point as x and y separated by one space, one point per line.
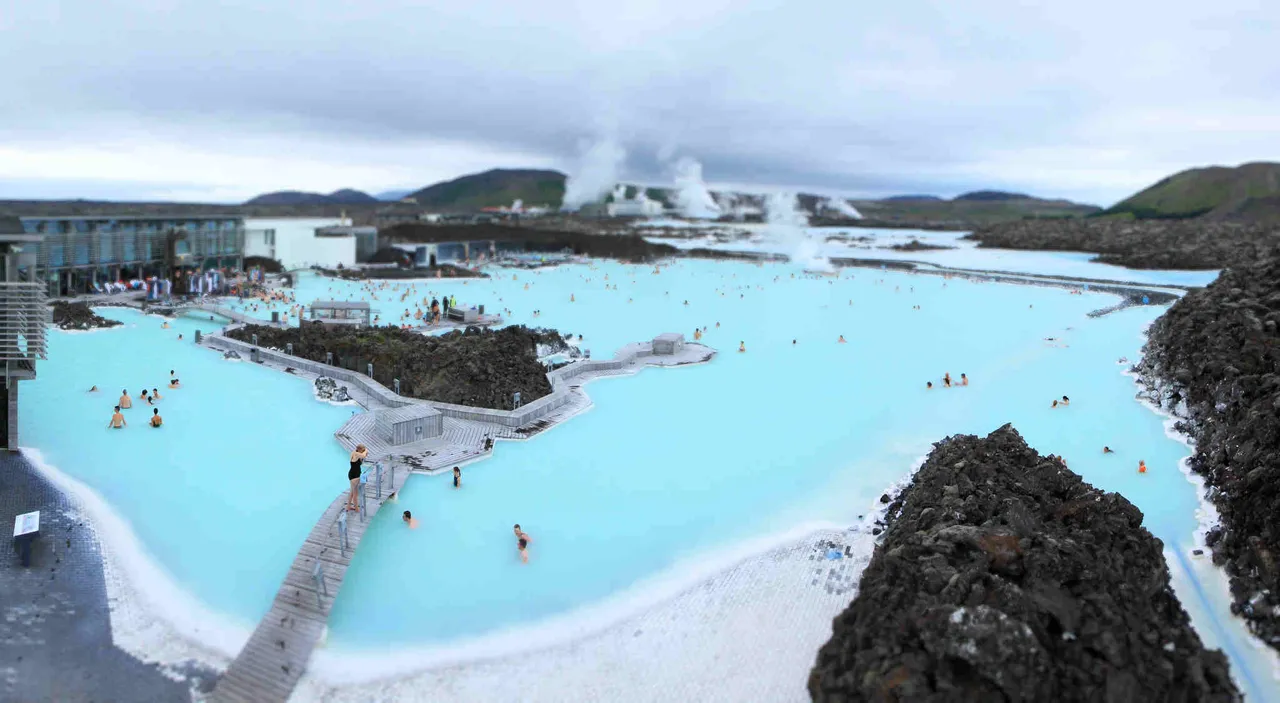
55 636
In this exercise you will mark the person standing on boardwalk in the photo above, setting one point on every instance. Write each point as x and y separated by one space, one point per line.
353 475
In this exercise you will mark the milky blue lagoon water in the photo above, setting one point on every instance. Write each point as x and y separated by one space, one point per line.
669 473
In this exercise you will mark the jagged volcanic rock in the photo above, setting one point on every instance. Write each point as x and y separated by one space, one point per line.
1214 360
1002 575
1140 244
477 367
78 316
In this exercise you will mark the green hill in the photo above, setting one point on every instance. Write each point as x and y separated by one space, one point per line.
346 196
494 188
1246 191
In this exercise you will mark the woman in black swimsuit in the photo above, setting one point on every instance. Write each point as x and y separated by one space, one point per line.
353 475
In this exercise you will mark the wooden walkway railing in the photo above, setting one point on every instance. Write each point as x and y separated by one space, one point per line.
272 661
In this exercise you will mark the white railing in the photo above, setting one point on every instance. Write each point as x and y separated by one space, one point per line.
24 323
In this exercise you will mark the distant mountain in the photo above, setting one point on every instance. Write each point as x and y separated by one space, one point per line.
494 188
992 195
1250 191
392 195
346 196
967 211
909 198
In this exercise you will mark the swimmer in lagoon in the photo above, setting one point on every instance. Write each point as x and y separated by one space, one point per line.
1142 466
1066 400
156 420
1107 450
457 477
742 346
410 520
841 340
1055 404
164 326
117 420
523 547
928 385
155 394
125 401
946 379
521 535
94 389
964 380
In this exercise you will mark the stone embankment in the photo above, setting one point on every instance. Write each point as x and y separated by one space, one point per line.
1002 575
477 367
1140 244
1213 361
78 316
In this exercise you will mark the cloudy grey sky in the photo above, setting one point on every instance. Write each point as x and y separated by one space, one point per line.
218 101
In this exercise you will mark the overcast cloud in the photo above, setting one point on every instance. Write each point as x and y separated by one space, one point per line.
219 101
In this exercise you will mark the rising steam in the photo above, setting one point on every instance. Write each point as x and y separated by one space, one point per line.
596 174
841 206
787 225
692 196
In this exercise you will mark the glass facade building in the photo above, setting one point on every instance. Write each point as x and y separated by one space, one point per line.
75 253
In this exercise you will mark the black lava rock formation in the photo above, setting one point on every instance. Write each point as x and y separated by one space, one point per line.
478 367
1213 360
1003 576
1140 244
917 245
78 316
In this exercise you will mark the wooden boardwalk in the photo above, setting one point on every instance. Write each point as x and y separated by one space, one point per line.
274 658
276 655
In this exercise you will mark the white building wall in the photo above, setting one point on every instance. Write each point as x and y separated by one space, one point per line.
297 245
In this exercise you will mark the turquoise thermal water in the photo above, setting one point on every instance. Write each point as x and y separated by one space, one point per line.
224 493
669 469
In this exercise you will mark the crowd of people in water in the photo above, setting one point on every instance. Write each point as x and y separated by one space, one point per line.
150 398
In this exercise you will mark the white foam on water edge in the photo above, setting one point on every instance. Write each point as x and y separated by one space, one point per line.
354 666
1211 580
152 616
